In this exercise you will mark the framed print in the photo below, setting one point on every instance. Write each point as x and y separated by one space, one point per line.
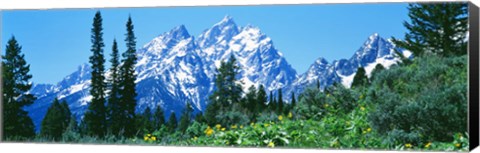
361 76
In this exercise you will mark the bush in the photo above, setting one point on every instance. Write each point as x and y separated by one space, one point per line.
423 101
312 104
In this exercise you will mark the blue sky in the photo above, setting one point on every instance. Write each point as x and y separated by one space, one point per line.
55 42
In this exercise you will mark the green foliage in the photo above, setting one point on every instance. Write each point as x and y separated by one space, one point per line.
114 111
424 101
15 86
158 118
127 82
95 116
56 120
145 121
261 99
379 67
234 115
72 133
294 101
312 104
186 117
360 79
172 122
251 101
438 28
227 93
343 99
280 102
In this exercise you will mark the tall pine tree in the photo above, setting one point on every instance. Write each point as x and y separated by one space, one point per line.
186 117
95 116
293 102
56 120
128 93
172 122
261 100
158 118
251 98
280 102
114 111
438 28
15 86
228 90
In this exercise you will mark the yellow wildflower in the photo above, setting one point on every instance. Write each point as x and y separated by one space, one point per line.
280 117
266 125
325 105
145 138
218 126
369 129
241 126
223 129
458 145
251 124
428 145
149 135
195 138
234 126
271 144
362 108
290 115
154 138
209 131
408 145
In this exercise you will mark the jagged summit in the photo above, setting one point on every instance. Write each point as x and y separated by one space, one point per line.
179 32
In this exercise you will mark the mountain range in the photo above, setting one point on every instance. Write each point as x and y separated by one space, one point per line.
175 68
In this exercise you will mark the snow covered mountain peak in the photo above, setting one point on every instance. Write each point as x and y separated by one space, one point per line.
219 34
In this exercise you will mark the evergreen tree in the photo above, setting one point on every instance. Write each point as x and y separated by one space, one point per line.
438 28
127 84
200 118
293 102
172 122
158 118
67 113
360 78
318 84
272 103
95 116
114 111
280 102
261 100
379 67
251 99
56 120
15 93
72 133
186 117
228 90
147 120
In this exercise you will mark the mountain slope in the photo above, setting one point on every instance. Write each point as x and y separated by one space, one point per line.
174 69
375 50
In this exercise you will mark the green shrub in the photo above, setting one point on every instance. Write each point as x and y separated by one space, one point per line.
424 101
